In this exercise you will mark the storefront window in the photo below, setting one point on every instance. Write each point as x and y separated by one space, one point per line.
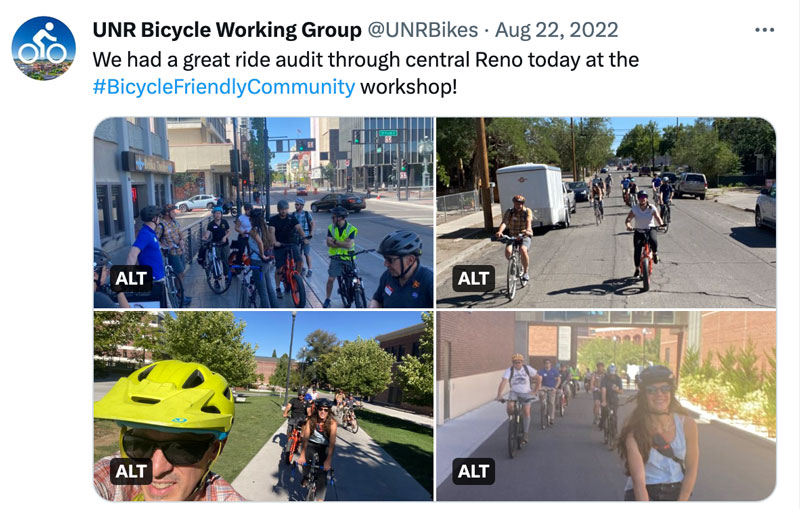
102 211
117 209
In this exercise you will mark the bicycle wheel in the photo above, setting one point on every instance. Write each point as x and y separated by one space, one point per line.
513 435
177 291
646 267
344 292
597 218
606 432
562 406
612 428
544 412
511 279
360 299
298 289
354 425
244 294
290 451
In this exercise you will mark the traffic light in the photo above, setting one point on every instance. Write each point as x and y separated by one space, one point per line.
403 165
357 136
379 149
245 169
305 144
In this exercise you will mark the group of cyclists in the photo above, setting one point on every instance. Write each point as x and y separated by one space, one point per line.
267 241
643 218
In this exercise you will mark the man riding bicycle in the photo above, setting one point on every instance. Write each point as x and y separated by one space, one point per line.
284 230
563 373
665 194
646 217
406 283
595 384
625 184
297 410
524 382
656 184
341 241
597 193
550 381
517 220
609 183
178 415
610 390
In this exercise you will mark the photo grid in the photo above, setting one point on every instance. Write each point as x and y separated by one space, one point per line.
588 309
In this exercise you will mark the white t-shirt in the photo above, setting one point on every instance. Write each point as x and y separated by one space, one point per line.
644 218
244 223
520 380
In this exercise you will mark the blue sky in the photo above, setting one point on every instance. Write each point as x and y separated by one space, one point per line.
622 125
287 127
28 29
272 329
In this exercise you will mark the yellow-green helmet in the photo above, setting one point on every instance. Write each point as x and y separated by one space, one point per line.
184 396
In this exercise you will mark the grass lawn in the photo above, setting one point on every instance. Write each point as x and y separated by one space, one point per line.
410 444
254 424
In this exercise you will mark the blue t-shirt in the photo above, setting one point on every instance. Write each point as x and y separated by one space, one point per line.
657 182
417 292
150 251
549 377
626 183
666 190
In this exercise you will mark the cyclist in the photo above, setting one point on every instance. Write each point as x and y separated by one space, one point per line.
597 193
406 283
523 380
609 394
656 184
297 411
103 296
319 437
307 224
609 183
624 184
564 374
632 187
659 442
575 375
595 383
262 257
665 194
242 226
550 381
162 413
339 401
341 240
517 220
646 217
146 250
173 243
217 232
351 404
284 231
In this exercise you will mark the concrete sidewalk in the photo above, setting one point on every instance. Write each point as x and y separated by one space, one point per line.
363 471
460 437
459 239
398 413
740 198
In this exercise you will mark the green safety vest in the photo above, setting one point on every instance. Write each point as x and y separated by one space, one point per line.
345 235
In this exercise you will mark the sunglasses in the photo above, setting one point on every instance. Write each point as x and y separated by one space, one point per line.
390 259
177 452
322 409
663 389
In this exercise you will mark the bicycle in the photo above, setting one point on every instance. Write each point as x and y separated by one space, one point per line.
350 286
217 279
514 272
516 427
46 52
645 258
349 420
598 216
172 284
292 280
545 406
293 441
610 426
666 215
248 293
313 474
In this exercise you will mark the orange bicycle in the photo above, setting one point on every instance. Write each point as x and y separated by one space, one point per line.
293 442
292 279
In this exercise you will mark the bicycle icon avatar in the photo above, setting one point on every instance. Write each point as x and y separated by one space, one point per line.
39 51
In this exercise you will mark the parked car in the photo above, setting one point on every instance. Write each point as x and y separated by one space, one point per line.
765 208
349 201
604 170
302 191
198 201
569 199
691 183
580 189
673 178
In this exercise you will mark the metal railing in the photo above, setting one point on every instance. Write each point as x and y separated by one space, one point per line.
194 238
453 206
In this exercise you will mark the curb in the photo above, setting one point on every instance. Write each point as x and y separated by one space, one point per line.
443 267
733 429
483 438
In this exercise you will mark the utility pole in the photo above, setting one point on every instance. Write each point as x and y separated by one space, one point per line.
289 361
483 166
574 163
267 172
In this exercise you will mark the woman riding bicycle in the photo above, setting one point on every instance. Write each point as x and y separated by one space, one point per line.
319 437
646 217
658 443
262 257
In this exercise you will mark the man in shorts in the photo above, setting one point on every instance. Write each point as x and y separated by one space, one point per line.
595 383
524 383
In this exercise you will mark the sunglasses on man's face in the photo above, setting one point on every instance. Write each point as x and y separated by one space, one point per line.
177 452
390 259
655 389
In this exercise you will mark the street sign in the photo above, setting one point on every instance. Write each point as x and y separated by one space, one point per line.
347 162
387 132
387 139
403 175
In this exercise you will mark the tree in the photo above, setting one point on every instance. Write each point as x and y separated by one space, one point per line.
212 338
113 329
274 353
700 148
255 150
278 378
415 374
747 137
602 350
641 143
361 367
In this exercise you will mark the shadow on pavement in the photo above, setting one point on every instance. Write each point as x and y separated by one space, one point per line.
751 236
465 233
492 299
620 286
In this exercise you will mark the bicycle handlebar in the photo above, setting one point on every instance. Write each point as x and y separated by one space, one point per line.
340 257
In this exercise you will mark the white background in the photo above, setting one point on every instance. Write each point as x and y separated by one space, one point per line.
697 58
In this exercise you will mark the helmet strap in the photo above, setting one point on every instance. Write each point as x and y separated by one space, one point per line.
403 271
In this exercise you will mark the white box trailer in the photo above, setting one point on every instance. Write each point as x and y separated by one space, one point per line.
542 188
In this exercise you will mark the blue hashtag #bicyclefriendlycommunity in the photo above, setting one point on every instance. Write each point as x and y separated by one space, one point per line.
231 86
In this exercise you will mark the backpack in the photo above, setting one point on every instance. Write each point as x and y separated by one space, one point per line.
510 211
527 370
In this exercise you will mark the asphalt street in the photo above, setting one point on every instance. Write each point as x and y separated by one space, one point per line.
712 257
569 462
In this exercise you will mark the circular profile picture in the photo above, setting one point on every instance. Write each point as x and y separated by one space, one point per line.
43 48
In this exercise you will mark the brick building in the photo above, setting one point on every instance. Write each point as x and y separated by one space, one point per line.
399 343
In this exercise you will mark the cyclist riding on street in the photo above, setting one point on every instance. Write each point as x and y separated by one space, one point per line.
178 415
646 217
632 187
595 384
564 374
146 250
406 283
341 241
575 375
597 193
609 183
517 220
624 184
665 194
550 381
609 394
297 411
284 230
524 381
656 183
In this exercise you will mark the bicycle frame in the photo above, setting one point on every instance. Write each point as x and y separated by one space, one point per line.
514 264
351 288
515 424
292 278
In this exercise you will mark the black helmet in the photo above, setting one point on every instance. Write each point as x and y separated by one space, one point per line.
641 193
256 213
101 258
339 211
283 204
656 374
149 213
248 206
323 403
401 243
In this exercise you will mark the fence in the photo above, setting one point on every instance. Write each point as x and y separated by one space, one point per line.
194 238
453 206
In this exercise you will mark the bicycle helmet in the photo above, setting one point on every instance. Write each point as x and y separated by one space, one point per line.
101 258
656 374
323 403
517 357
308 397
149 213
339 211
299 201
248 206
641 193
401 243
612 369
283 204
167 209
181 396
665 179
518 199
216 209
